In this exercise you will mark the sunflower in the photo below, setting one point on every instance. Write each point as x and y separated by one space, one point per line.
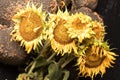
95 61
60 40
99 30
29 27
23 76
80 26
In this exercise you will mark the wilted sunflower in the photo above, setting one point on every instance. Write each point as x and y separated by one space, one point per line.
99 30
80 26
23 76
60 40
95 61
29 27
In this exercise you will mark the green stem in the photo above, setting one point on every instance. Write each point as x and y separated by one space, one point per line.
51 56
47 43
62 59
32 67
67 62
35 60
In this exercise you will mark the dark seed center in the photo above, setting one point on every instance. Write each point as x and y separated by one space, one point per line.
30 26
60 33
93 60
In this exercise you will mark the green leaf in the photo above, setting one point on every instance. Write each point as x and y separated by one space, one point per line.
54 72
39 76
66 75
41 62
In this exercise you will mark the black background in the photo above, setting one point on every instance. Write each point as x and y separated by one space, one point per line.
110 12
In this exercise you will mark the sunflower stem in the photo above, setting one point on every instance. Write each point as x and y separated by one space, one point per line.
44 49
51 56
67 62
33 64
32 67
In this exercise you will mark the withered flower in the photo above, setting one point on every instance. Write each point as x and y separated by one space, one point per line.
60 40
95 61
80 26
99 30
29 27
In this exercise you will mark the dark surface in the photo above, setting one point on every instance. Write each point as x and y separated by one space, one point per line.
10 52
110 12
8 72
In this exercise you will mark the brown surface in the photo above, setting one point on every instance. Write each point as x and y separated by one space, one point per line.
86 3
10 52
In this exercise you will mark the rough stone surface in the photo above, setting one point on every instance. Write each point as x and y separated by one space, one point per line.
10 52
86 3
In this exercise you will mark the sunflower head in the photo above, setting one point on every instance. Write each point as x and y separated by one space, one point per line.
23 76
29 27
95 61
80 26
60 40
99 30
